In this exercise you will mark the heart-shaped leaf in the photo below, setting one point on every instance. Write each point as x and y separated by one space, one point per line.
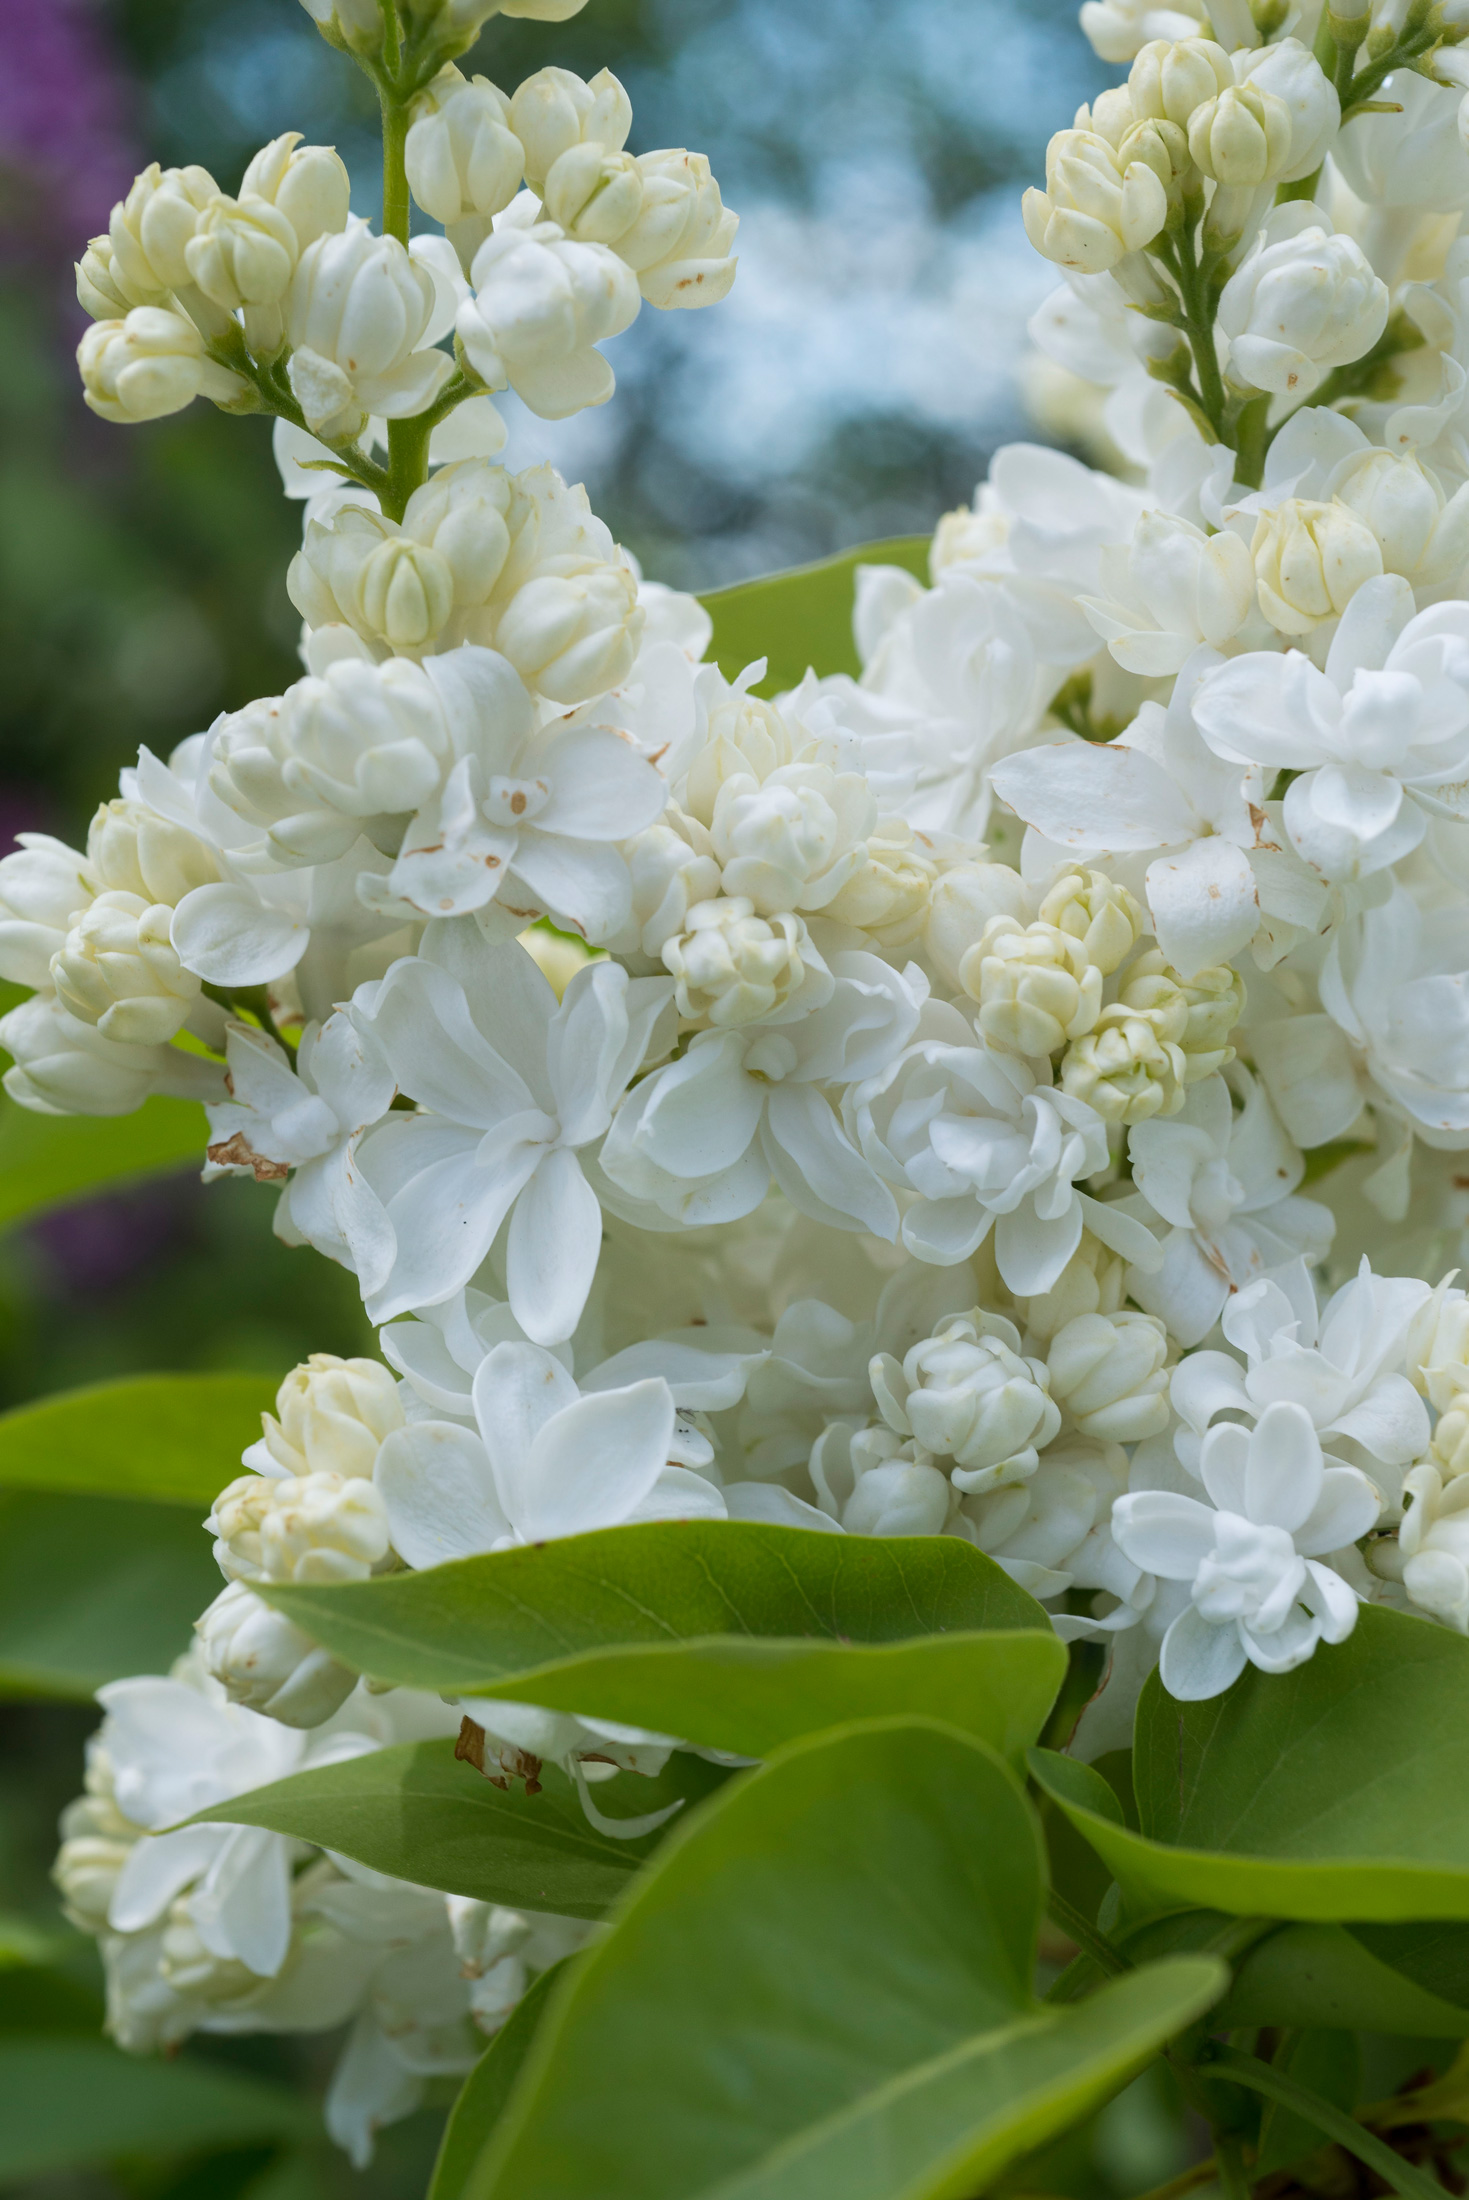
475 1623
1335 1792
801 617
822 1990
416 1813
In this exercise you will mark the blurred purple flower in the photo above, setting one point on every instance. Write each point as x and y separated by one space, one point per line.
65 123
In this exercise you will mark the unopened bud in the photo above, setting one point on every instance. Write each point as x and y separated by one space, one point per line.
132 850
118 970
1242 136
1172 78
333 1415
1310 560
320 1527
243 252
554 110
1103 918
966 1393
594 195
1035 987
1093 209
731 967
1108 1375
148 364
264 1661
309 184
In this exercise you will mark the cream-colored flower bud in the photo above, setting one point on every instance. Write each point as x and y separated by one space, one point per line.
86 1872
964 899
1094 1281
573 634
1109 1375
744 735
148 364
1092 909
1450 1446
1433 1545
1310 560
243 252
1093 209
1442 1351
118 971
1163 147
967 1394
356 25
889 896
1035 987
100 287
596 196
1242 136
150 229
309 184
132 850
554 110
731 967
321 1527
904 1495
1127 1068
1111 114
333 1415
679 245
463 158
1215 1000
264 1661
44 885
405 593
1173 77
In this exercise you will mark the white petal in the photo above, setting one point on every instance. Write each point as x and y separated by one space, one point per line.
1162 1533
1203 904
226 935
1283 1479
593 1463
769 1501
517 1390
436 1482
1084 795
1346 1510
600 788
1224 1464
1199 1661
551 1252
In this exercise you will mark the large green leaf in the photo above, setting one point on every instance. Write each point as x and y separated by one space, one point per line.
92 1588
171 1439
1306 1976
801 617
485 2091
71 2104
478 1622
47 1161
731 1692
415 1812
1335 1792
822 1991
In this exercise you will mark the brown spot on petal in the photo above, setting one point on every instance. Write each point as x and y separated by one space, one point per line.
238 1153
517 802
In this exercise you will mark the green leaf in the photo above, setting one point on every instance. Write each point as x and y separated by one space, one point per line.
801 617
71 2104
475 1623
485 2091
1324 1975
170 1439
1335 1792
93 1588
1329 2063
415 1812
729 1692
822 1991
47 1161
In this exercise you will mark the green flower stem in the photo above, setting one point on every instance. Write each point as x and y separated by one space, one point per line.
253 1000
395 174
1194 276
1229 2166
1332 2123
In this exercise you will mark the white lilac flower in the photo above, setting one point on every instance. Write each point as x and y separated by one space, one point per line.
543 1460
986 1148
967 1394
511 1085
700 1139
1379 739
1344 1366
1258 1592
1219 1190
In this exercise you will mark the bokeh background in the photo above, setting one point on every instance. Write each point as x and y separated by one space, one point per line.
852 387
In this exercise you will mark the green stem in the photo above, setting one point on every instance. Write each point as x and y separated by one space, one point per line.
1332 2123
1197 302
1419 36
395 173
1229 2166
256 1001
1106 1955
